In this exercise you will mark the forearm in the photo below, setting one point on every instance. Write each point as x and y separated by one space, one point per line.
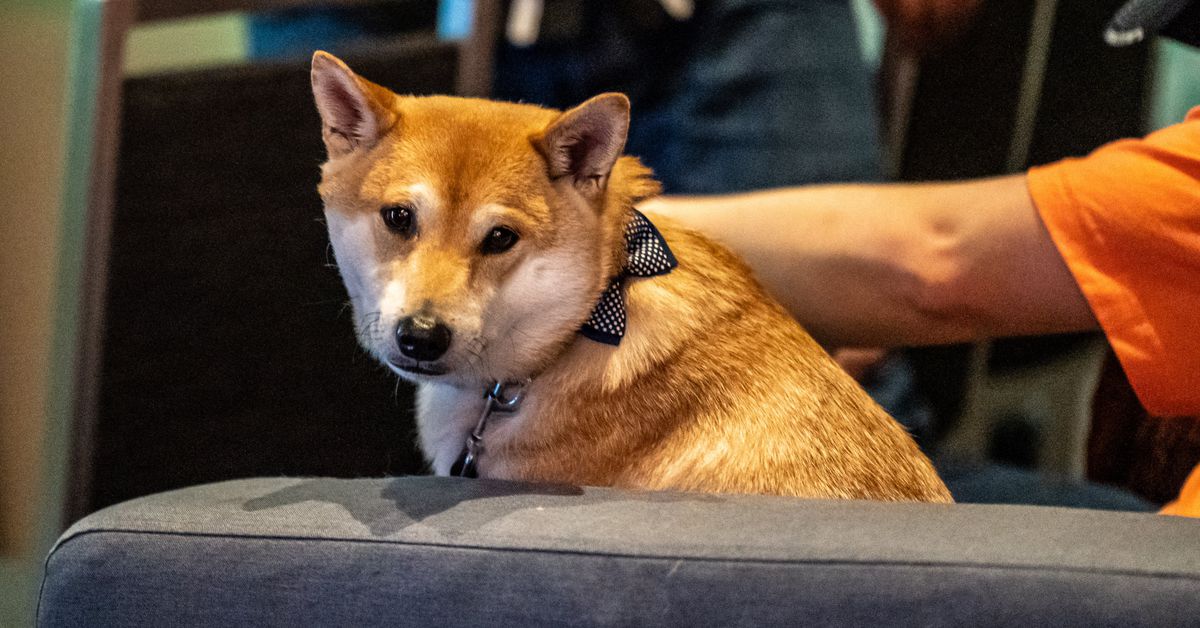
889 265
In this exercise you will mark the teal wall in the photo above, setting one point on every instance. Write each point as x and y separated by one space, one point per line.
49 49
1176 83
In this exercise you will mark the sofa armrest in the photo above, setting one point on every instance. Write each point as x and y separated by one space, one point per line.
425 551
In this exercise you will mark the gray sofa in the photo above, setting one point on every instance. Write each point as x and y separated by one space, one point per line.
424 551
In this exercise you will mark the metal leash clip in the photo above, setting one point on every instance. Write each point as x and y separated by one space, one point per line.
501 399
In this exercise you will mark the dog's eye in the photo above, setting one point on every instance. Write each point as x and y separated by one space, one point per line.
398 218
498 240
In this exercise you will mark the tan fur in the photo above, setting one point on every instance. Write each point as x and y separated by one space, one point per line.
714 387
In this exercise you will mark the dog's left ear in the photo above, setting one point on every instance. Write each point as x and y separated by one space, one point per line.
354 111
585 142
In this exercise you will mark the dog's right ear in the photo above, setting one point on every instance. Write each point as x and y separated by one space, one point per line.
354 111
584 143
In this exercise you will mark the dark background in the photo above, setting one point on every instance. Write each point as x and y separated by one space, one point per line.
229 351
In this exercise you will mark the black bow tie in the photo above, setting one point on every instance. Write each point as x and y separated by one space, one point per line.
647 255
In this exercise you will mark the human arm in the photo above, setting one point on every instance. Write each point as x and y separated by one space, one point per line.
903 264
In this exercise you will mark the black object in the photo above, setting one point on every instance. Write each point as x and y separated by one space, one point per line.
219 265
1138 19
1015 441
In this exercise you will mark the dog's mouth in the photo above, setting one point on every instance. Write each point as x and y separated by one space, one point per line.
418 368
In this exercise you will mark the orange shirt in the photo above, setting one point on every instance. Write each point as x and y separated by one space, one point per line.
1126 219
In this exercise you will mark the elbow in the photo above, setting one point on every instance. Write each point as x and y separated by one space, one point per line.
939 287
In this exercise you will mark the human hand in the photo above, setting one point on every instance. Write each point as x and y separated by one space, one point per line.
923 26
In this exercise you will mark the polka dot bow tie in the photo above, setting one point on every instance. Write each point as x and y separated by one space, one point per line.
647 256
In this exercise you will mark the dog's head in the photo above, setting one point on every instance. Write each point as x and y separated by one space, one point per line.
474 237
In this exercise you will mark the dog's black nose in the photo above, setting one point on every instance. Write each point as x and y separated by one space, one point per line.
422 337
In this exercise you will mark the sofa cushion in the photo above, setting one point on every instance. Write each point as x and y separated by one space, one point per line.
425 551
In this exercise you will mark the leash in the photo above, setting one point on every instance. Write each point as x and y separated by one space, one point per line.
499 398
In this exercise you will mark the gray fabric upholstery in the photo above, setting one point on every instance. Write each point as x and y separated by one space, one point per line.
428 551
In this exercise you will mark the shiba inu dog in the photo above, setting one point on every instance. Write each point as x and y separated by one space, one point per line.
495 246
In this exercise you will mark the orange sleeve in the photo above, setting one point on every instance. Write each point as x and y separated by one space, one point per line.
1126 219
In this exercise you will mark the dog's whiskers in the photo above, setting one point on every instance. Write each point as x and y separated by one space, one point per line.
330 257
474 350
369 328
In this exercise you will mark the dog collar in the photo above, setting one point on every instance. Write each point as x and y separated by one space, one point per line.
647 255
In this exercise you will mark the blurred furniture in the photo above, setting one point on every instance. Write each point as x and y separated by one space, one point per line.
115 18
474 71
228 348
1047 406
149 10
214 340
452 552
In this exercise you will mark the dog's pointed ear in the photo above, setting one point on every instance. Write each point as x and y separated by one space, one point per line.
354 111
586 141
